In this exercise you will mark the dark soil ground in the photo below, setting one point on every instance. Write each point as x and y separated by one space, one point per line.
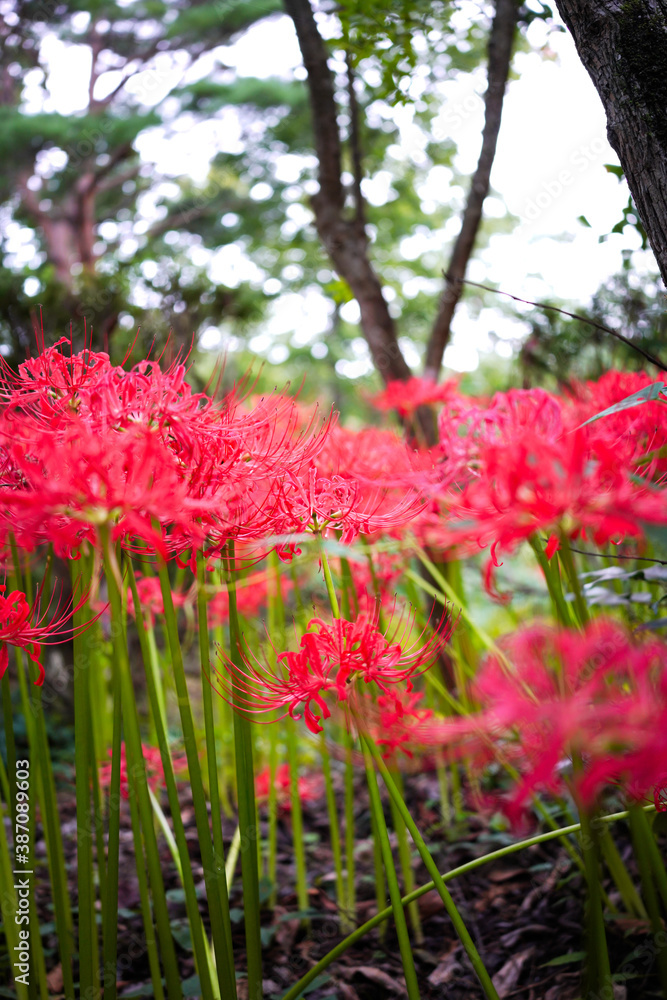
525 913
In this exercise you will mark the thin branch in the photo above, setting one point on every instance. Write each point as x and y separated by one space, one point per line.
615 555
322 101
344 239
501 42
563 312
355 143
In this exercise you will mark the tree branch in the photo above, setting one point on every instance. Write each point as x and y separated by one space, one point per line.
500 56
344 239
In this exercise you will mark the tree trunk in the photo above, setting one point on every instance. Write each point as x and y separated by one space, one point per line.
623 45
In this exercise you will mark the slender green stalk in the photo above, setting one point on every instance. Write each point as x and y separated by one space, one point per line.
298 989
657 861
195 920
149 927
394 890
138 784
552 579
619 873
641 832
378 868
8 716
110 903
46 792
272 854
297 815
334 832
328 580
84 821
405 859
185 867
214 875
431 867
8 896
246 803
211 757
351 897
599 970
567 560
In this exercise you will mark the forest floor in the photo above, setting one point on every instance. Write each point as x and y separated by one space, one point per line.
525 912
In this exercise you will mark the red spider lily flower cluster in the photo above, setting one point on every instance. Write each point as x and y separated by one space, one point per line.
334 658
556 696
86 446
309 786
154 769
29 626
522 464
405 397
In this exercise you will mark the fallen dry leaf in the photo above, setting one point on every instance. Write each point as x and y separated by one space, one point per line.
506 978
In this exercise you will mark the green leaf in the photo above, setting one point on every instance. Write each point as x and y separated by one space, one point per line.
646 395
615 169
572 956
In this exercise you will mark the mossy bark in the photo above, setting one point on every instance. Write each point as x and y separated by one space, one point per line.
623 46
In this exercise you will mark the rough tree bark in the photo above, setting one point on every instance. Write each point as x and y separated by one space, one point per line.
623 46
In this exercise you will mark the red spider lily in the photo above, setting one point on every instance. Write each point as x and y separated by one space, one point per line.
28 627
154 769
309 786
522 465
400 721
557 695
405 397
150 598
343 504
633 433
333 658
82 480
84 443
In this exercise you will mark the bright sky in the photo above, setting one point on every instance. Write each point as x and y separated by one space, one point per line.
549 170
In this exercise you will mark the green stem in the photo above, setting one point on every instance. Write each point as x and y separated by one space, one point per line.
394 890
552 579
214 874
84 822
405 859
333 830
567 560
599 969
328 580
297 816
149 927
211 758
185 867
246 802
431 867
138 783
642 836
350 897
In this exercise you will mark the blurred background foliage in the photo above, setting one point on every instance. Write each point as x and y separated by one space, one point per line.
97 228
